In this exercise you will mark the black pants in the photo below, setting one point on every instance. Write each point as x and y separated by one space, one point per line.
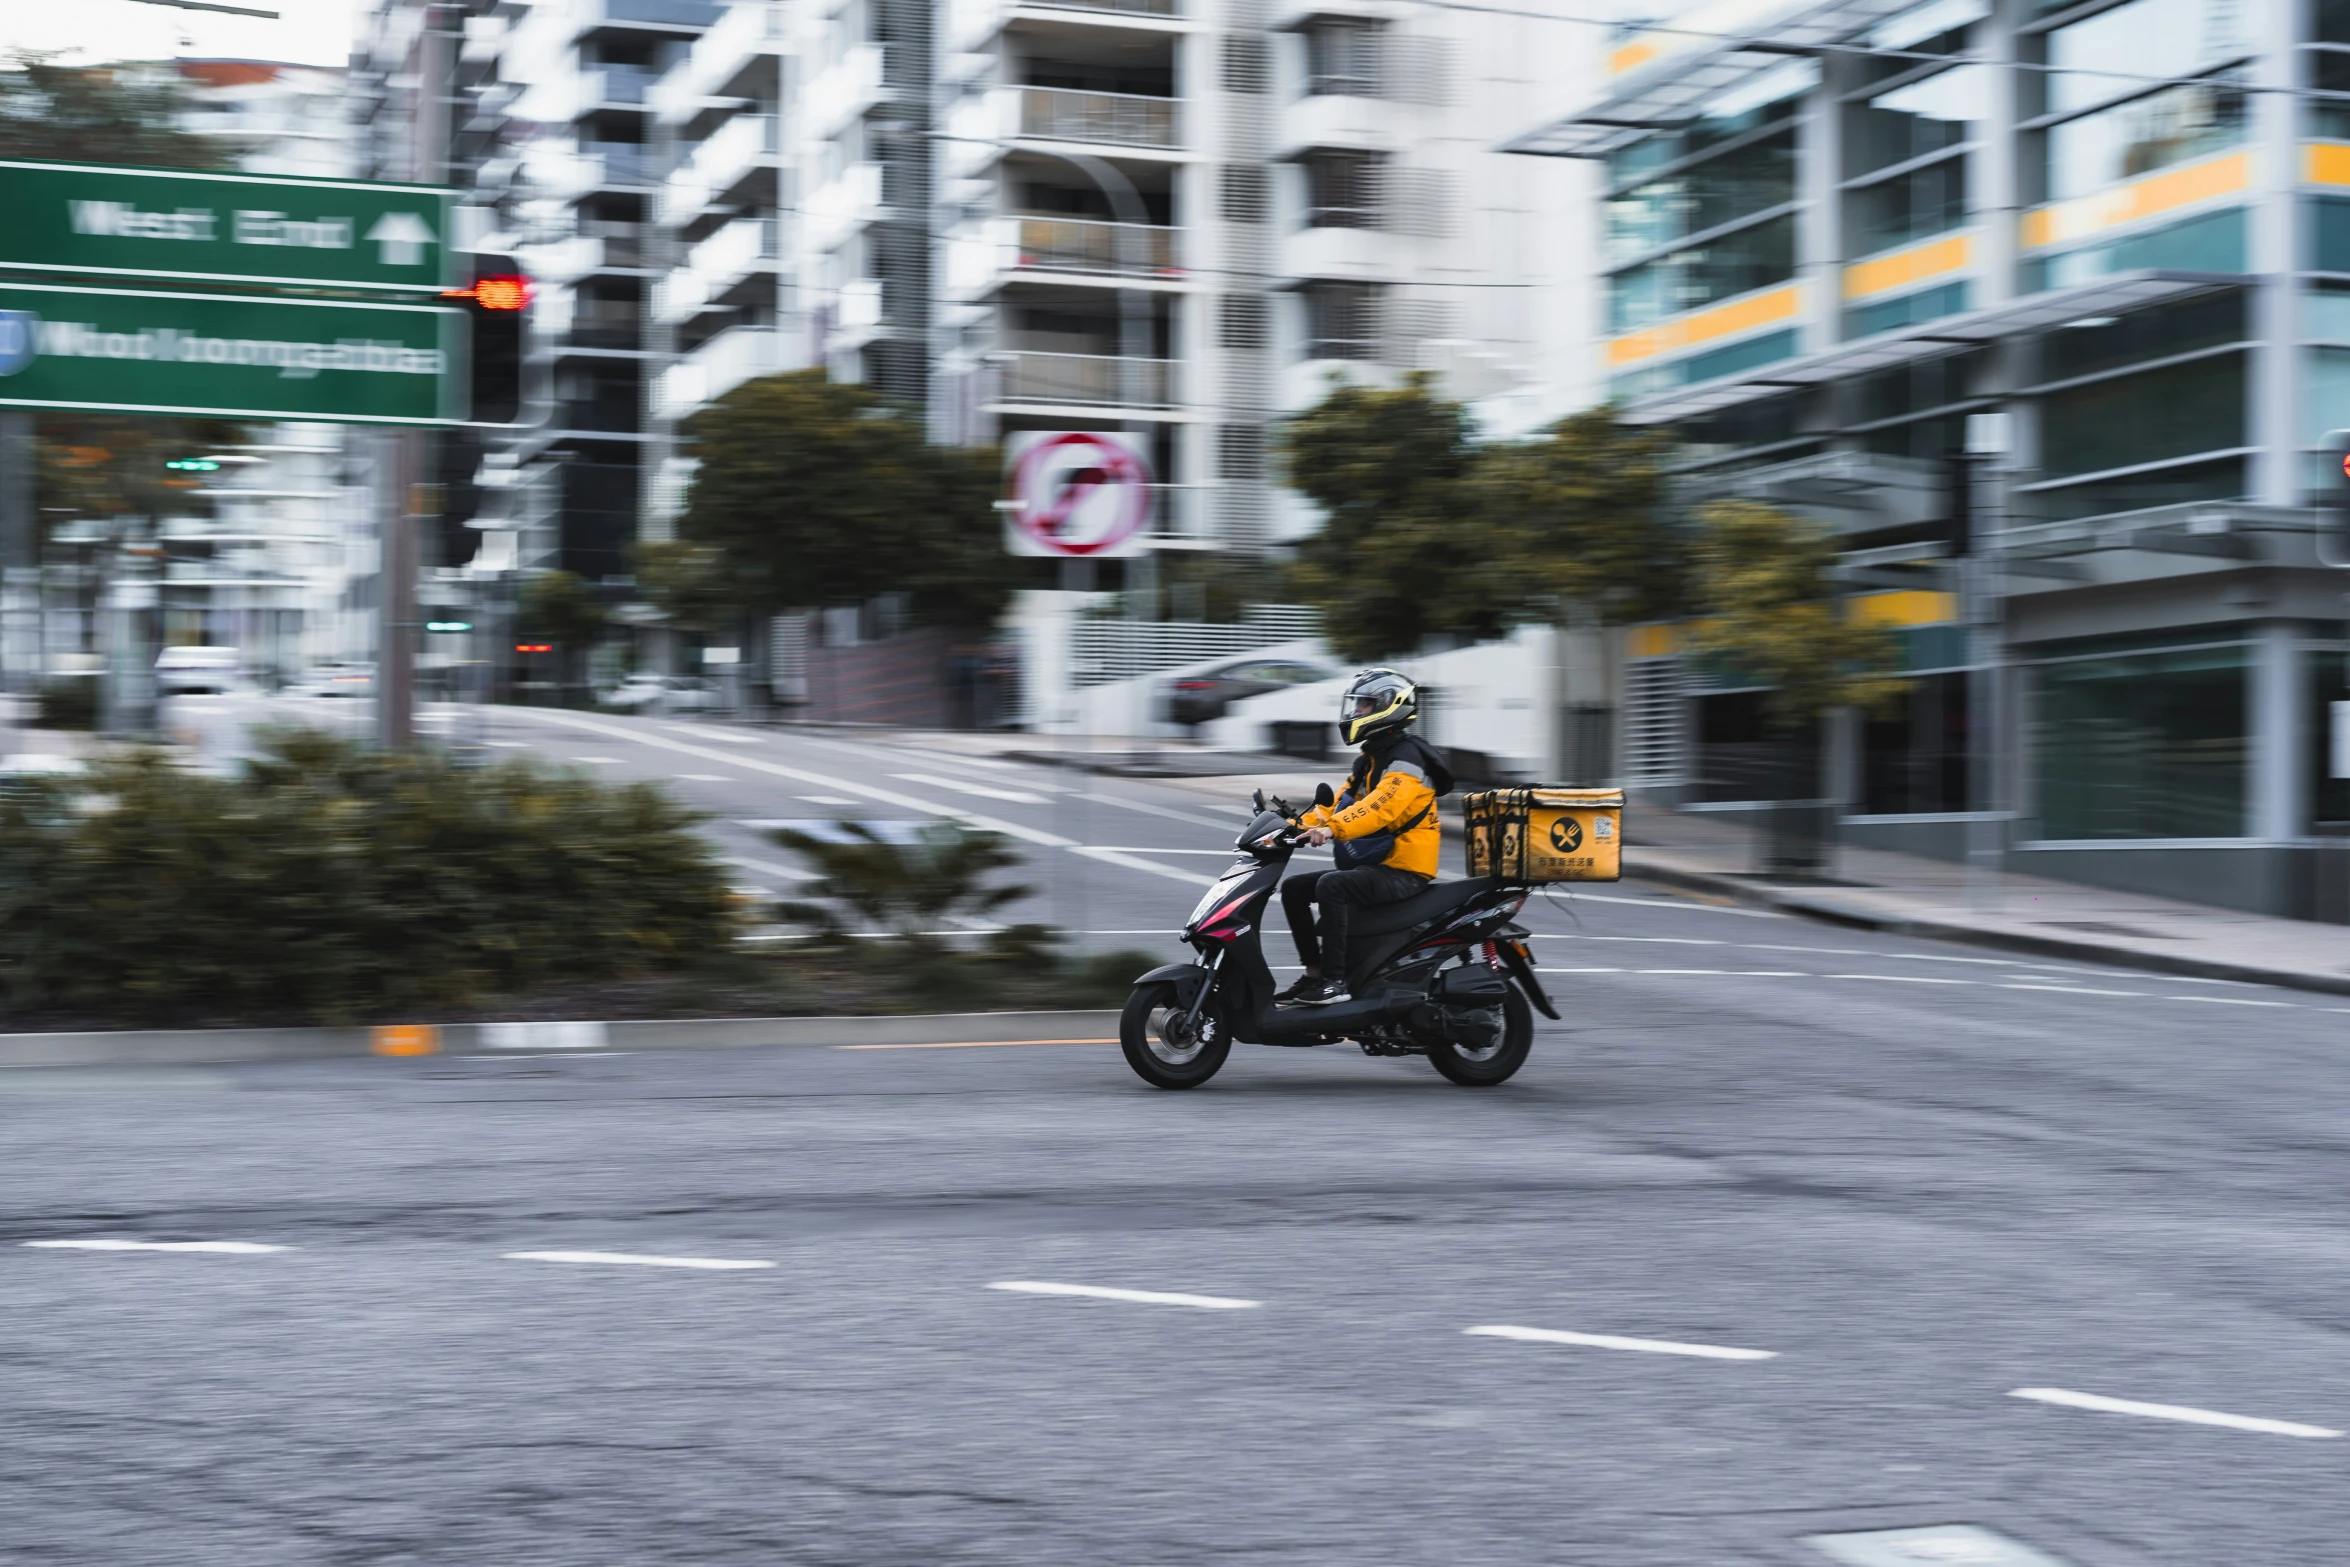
1336 892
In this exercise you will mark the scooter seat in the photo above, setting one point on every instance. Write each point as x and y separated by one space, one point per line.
1385 919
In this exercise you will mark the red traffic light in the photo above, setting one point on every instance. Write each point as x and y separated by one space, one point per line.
534 647
502 292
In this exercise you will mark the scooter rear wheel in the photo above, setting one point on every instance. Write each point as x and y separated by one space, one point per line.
1495 1063
1151 1033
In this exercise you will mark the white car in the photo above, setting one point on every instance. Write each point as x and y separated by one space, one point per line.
190 671
354 679
651 693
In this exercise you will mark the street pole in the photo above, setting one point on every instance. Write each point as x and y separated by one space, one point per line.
411 457
19 561
1982 590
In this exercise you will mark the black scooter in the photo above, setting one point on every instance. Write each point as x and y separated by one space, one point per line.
1444 974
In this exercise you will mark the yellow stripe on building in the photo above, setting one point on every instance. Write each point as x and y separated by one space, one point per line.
1703 326
1631 57
1904 608
2149 197
1904 268
2325 163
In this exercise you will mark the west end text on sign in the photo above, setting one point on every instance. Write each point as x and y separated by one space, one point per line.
134 350
182 227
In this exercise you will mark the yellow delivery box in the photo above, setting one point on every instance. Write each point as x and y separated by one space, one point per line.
1537 835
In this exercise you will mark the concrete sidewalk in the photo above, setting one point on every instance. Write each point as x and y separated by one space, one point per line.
1911 895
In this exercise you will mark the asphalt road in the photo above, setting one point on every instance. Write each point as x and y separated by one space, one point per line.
1806 1209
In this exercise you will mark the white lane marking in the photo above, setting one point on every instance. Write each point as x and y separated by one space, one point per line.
1140 1297
959 786
1903 979
1129 848
509 745
707 732
1578 971
802 775
234 1248
1662 941
631 1260
605 761
570 1034
1232 823
770 868
2231 1001
1691 906
702 778
2193 1416
1116 857
827 799
2077 990
1646 1346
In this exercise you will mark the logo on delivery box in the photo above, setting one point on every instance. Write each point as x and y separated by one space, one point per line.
1076 493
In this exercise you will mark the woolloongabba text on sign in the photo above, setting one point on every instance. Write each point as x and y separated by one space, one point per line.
1077 494
104 222
147 351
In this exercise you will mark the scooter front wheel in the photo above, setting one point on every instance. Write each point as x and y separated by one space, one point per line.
1162 1052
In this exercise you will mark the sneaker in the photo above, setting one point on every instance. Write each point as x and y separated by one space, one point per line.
1297 988
1321 993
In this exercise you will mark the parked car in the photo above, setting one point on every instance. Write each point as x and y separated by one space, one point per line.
350 679
194 671
650 693
1203 697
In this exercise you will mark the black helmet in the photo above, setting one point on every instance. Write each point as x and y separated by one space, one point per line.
1377 702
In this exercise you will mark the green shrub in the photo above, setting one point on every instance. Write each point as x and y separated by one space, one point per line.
67 704
334 883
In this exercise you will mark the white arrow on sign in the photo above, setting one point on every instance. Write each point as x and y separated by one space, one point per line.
401 237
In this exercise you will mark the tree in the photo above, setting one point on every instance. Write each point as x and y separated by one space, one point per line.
1773 611
1430 532
812 491
1581 521
102 114
1393 562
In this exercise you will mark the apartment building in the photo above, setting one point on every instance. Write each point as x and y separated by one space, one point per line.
592 159
2089 263
1185 218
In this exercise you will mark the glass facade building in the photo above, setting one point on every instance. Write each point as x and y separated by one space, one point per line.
2094 256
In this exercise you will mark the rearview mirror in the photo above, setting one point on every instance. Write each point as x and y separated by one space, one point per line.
1322 794
1259 800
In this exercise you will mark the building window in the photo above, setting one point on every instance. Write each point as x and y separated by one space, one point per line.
1248 63
2329 683
1912 206
1342 320
2134 420
1240 452
2142 745
1342 58
1243 321
1344 190
1728 264
1744 182
1914 758
1915 120
2113 127
1247 192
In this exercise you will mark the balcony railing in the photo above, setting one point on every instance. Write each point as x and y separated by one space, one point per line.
1129 7
1122 119
1105 380
1090 245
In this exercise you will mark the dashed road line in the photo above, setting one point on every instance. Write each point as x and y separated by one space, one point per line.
1645 1346
232 1248
2230 1001
2187 1413
631 1259
965 786
974 1044
1138 1297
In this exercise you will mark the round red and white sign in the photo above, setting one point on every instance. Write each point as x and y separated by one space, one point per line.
1078 492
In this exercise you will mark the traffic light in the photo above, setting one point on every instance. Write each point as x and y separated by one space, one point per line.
497 302
193 465
448 625
534 647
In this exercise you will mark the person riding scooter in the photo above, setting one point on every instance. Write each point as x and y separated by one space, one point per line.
1383 825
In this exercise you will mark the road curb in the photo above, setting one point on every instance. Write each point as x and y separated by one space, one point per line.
1792 900
232 1046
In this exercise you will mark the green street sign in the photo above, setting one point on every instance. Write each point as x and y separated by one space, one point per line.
224 228
130 350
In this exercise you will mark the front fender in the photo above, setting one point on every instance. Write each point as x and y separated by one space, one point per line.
1185 977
